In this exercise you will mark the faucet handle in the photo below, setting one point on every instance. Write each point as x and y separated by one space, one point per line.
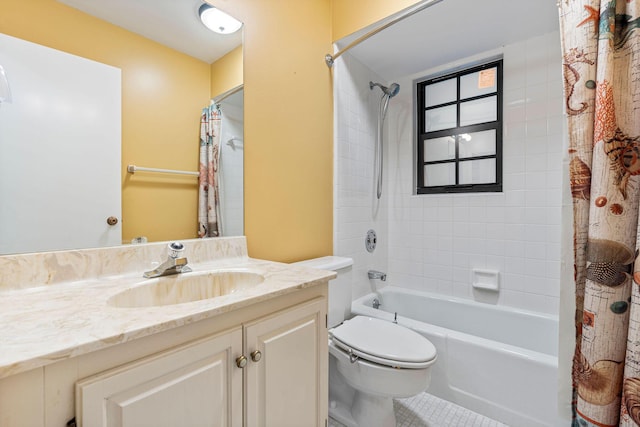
175 249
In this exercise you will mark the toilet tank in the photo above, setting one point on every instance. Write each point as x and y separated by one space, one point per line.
339 288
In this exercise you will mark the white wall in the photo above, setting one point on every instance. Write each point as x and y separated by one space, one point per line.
432 242
436 240
356 208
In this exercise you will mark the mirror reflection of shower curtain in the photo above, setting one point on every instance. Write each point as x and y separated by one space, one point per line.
209 218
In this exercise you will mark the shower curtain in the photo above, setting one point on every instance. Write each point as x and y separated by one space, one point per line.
209 191
601 61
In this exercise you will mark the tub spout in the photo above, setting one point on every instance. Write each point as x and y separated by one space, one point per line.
374 274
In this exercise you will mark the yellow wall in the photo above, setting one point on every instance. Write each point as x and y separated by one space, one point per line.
159 86
226 72
289 118
350 16
288 127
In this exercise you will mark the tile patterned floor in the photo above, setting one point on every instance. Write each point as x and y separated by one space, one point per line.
425 410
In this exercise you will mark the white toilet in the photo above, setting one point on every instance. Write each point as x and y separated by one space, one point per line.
371 360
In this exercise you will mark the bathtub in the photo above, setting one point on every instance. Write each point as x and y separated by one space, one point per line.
496 361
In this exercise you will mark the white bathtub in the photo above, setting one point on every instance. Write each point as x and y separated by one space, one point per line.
493 360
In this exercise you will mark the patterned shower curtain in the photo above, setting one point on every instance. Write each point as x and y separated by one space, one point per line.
209 192
601 60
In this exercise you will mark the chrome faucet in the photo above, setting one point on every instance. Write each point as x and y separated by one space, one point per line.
373 274
174 264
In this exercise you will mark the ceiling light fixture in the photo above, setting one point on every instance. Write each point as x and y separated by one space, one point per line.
218 21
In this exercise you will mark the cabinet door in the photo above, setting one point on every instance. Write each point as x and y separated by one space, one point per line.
287 386
197 384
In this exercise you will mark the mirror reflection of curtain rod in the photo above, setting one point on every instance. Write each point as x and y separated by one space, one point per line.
227 94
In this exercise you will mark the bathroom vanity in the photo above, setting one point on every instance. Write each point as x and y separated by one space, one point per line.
93 348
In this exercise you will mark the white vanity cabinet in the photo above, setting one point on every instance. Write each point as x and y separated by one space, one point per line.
270 371
194 384
286 376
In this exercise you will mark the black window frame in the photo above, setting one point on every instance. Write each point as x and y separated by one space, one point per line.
422 136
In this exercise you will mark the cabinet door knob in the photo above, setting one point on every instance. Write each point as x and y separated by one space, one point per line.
256 355
241 362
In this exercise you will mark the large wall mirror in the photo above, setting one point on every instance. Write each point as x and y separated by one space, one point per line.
155 66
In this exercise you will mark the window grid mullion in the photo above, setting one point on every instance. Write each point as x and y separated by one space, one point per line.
423 136
457 136
465 159
457 101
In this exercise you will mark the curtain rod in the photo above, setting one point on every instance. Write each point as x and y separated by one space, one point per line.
330 59
134 169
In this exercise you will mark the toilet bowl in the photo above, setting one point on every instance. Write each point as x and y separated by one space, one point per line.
378 360
371 361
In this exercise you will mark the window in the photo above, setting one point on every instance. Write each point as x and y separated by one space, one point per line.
459 131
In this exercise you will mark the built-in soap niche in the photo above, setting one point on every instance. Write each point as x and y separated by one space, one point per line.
488 280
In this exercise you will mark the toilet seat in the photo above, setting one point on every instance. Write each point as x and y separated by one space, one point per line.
385 343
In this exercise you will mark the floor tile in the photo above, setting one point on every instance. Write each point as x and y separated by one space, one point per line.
425 410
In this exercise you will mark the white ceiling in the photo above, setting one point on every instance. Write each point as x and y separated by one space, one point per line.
173 23
449 31
443 33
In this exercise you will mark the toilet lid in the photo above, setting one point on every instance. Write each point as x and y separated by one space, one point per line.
384 342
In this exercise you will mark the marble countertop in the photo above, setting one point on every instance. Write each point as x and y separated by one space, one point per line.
44 324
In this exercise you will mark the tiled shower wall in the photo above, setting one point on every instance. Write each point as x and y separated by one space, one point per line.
232 158
356 208
433 242
437 240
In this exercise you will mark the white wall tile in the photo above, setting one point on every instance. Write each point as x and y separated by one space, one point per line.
432 242
514 182
515 248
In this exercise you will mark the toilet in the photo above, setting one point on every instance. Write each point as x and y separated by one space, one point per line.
371 361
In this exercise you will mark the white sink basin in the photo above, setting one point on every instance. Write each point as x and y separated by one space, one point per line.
185 287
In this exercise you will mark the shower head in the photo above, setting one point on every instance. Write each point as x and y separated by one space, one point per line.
390 91
394 88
